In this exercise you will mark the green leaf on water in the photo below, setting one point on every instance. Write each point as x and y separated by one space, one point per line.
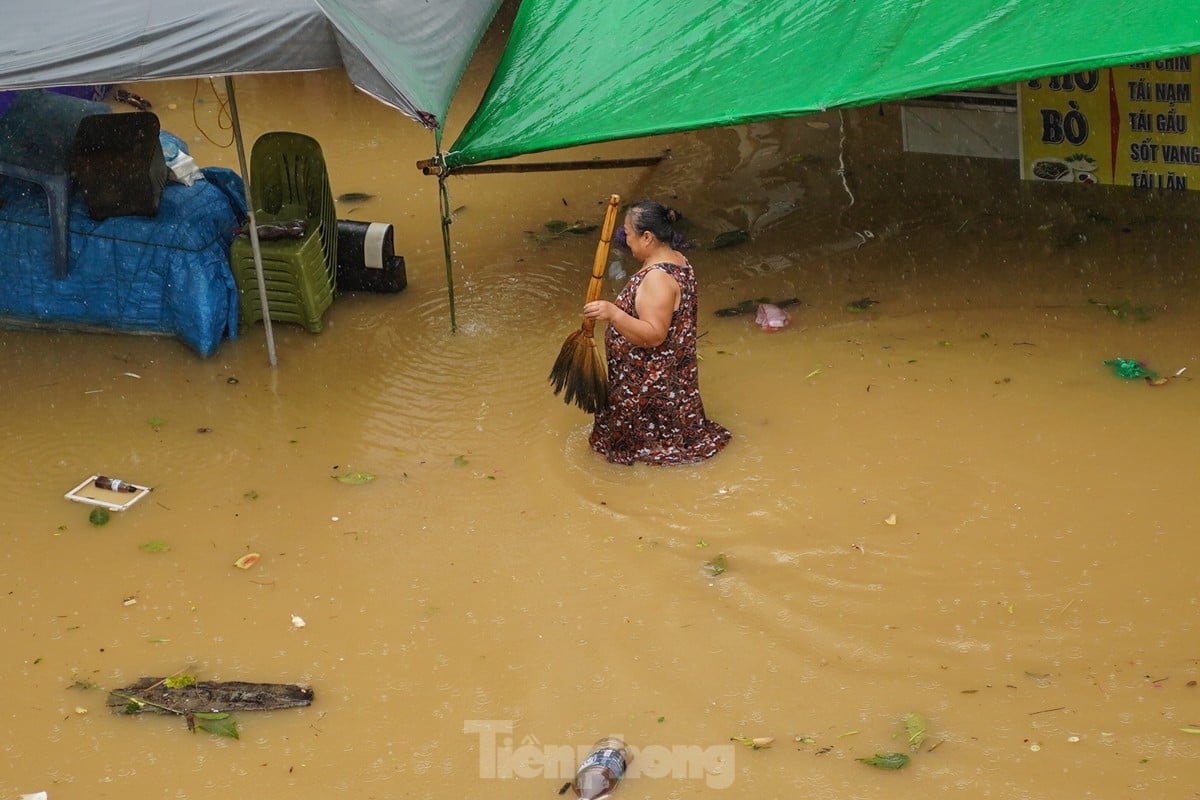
754 743
179 681
218 722
717 566
556 225
915 727
154 546
98 517
460 461
356 478
156 422
886 760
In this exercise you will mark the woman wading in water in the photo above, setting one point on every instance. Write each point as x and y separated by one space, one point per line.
654 412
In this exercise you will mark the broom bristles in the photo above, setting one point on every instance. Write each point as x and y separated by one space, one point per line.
579 374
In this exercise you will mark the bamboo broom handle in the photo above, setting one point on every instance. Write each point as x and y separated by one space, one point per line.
601 260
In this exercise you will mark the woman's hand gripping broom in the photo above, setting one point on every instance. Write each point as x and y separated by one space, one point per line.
579 370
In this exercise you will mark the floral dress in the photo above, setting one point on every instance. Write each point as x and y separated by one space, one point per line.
654 412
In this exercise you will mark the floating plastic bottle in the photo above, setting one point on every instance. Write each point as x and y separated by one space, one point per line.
114 484
602 769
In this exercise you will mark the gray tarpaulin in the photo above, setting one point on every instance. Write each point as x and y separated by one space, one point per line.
407 53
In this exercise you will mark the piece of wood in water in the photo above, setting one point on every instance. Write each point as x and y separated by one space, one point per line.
210 696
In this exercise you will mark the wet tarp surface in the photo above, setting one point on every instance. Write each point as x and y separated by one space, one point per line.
407 53
582 71
163 274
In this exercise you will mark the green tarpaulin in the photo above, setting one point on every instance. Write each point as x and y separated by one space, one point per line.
582 71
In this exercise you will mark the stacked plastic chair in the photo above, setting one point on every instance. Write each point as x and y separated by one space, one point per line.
289 181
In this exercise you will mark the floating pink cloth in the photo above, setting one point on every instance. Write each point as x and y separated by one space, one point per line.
771 318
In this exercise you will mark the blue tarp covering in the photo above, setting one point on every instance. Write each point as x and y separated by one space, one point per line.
166 274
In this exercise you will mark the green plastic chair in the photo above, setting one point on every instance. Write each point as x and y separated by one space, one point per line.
288 181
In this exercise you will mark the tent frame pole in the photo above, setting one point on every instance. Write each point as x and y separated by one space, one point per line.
253 223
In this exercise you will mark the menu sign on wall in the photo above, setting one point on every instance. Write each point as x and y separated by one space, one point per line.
1127 126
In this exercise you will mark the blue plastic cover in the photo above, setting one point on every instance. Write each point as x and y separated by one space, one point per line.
165 274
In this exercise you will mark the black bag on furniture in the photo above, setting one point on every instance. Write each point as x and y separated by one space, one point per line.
118 164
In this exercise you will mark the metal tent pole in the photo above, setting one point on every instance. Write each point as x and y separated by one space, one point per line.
254 246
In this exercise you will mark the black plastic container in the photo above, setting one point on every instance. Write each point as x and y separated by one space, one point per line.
367 260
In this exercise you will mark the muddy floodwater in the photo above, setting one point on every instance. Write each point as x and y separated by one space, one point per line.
939 503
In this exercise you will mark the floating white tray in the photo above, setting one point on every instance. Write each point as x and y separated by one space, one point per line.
87 492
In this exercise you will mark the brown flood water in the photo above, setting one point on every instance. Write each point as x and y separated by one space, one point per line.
499 596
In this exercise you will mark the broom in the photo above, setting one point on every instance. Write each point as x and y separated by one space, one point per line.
579 371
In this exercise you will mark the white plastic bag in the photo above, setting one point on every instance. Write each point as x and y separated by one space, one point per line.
184 169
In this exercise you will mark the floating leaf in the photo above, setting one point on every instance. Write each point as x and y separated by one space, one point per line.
556 225
890 519
757 743
862 304
98 517
886 760
717 566
247 561
179 681
356 478
915 727
156 422
219 723
460 461
1190 730
154 546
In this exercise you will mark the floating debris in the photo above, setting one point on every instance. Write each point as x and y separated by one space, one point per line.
180 696
861 304
354 197
751 306
886 760
756 743
730 238
1125 310
1130 369
717 566
247 561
